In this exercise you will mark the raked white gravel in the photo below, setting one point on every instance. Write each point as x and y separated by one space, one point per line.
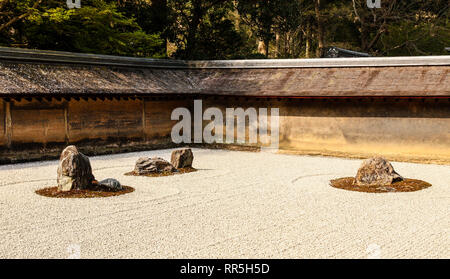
238 205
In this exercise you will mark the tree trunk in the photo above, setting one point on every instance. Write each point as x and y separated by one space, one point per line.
163 20
277 45
266 43
320 31
287 38
262 48
191 40
308 40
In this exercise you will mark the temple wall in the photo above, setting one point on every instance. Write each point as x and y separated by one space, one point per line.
42 127
104 119
416 130
411 130
400 129
223 103
397 107
157 115
36 121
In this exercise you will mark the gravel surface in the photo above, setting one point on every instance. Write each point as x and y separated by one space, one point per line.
238 205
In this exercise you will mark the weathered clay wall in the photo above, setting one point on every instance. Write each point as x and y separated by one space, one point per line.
41 127
157 114
37 121
400 129
223 103
104 119
412 130
72 120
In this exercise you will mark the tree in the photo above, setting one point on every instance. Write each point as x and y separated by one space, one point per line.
227 29
12 13
203 29
403 27
320 28
260 14
97 27
289 23
150 15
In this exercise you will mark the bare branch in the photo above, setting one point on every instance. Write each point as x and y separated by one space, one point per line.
17 18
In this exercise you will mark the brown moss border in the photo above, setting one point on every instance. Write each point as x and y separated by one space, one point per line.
166 173
98 192
406 185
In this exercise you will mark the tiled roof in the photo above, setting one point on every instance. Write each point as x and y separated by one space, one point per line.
48 72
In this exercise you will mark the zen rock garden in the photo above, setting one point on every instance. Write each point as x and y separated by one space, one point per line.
75 178
377 175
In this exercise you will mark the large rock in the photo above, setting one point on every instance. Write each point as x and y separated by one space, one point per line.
111 183
152 165
74 170
376 171
182 158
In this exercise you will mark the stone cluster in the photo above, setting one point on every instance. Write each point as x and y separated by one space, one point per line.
75 173
181 158
74 170
147 165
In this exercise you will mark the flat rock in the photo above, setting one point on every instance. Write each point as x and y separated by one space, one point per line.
74 170
111 183
182 158
147 165
376 172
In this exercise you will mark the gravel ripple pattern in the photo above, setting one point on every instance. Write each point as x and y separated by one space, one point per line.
237 205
